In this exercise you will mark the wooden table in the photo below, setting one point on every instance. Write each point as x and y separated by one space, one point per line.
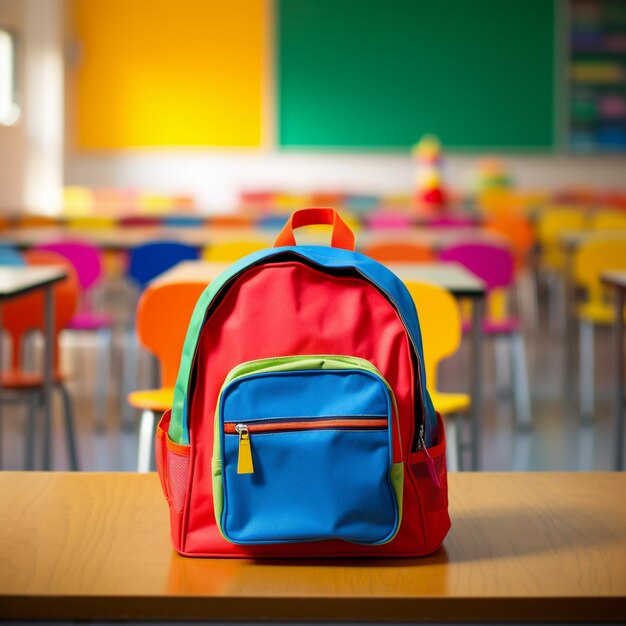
617 280
18 281
523 547
456 278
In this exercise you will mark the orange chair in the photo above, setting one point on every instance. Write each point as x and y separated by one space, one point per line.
398 252
23 315
161 329
518 230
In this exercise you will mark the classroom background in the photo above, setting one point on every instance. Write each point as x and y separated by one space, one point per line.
427 125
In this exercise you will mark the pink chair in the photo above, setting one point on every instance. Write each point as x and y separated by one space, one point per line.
453 221
388 220
87 260
495 265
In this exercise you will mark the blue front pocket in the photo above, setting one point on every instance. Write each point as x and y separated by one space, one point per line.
305 454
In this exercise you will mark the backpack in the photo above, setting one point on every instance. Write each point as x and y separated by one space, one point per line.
301 425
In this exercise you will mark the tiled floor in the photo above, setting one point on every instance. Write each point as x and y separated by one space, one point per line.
558 441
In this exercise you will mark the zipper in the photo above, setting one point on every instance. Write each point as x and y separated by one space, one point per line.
244 458
430 464
245 464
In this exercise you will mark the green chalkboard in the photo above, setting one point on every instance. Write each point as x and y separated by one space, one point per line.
380 73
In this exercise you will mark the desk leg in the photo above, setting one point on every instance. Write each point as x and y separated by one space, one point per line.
476 381
48 375
618 425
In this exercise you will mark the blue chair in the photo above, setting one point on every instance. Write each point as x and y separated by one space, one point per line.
149 260
9 255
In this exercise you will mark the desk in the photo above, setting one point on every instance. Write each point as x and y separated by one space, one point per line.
523 547
617 280
17 281
452 276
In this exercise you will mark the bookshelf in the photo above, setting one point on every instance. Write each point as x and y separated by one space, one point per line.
597 76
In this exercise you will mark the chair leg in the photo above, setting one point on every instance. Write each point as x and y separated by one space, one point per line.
587 372
452 450
520 382
47 436
146 441
129 375
527 299
503 369
69 427
31 430
101 392
556 303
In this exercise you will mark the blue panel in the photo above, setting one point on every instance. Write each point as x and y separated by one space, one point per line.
309 484
297 394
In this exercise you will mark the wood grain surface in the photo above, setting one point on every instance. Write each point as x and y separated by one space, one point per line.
522 547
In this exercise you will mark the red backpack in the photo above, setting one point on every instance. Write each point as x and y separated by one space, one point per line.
301 424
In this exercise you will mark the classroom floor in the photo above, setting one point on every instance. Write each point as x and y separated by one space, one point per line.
558 440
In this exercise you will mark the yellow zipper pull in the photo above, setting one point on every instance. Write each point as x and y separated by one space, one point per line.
244 461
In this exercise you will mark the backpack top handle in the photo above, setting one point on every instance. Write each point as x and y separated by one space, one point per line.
341 237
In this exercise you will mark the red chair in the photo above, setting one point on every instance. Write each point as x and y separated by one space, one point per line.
26 314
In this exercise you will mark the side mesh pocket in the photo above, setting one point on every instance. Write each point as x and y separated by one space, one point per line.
429 469
172 461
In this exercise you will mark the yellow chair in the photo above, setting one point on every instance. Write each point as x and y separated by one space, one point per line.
597 254
91 222
440 323
608 219
161 329
233 250
551 223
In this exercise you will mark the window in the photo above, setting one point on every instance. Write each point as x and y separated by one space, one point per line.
9 108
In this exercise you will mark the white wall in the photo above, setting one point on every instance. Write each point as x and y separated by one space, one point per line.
33 167
31 151
215 178
12 138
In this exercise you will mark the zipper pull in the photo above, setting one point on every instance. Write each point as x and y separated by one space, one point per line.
244 460
430 464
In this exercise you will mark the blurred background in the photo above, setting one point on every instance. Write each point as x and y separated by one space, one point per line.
427 124
207 99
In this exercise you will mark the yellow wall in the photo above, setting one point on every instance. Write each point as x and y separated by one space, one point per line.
169 73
